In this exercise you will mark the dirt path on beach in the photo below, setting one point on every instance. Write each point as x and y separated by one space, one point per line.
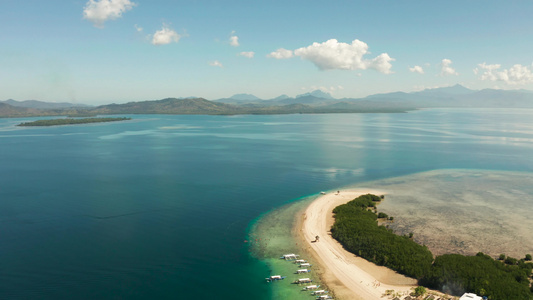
349 276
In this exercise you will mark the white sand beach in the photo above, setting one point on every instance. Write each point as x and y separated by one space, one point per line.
349 276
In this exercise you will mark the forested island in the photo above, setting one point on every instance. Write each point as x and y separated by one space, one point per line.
356 227
71 121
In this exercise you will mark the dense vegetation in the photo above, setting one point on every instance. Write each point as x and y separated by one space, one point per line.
357 229
70 121
480 274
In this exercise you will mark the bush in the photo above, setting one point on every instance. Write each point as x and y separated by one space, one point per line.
510 261
420 291
382 215
502 257
528 257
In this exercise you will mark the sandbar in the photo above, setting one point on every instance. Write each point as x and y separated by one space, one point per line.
347 275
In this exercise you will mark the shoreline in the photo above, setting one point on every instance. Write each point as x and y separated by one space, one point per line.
347 275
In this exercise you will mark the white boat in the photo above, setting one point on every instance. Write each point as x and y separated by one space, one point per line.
300 271
303 280
322 193
305 265
311 287
300 261
275 278
324 297
290 256
319 292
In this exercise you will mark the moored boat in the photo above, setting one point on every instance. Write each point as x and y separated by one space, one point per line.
303 280
275 278
300 271
319 292
290 256
311 287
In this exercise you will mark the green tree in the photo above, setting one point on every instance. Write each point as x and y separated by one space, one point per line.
502 257
420 291
528 257
510 261
382 215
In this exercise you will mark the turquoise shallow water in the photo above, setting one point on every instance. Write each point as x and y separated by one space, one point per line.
160 206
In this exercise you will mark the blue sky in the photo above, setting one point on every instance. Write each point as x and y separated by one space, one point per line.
104 51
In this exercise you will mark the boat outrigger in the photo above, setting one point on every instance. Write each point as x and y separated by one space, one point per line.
311 287
300 271
305 265
275 278
290 256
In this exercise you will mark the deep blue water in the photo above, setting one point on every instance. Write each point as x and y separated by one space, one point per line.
158 207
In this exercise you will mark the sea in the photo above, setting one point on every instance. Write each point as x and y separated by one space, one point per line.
165 206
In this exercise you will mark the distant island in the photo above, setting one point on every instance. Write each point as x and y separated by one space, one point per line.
71 121
316 102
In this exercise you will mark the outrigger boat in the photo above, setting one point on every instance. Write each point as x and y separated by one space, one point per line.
275 278
319 292
303 280
300 261
290 256
324 297
311 287
305 265
302 271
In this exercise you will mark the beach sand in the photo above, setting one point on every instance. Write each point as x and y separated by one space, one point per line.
349 276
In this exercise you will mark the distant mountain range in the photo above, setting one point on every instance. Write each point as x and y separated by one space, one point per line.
41 105
313 102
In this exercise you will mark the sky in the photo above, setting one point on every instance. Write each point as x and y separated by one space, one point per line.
117 51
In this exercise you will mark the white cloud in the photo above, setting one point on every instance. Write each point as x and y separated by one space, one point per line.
249 54
334 55
281 54
99 12
417 69
446 69
515 75
216 63
165 36
138 28
234 40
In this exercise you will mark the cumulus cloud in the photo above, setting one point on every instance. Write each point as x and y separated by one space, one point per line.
215 63
165 36
249 54
100 11
334 55
281 54
417 69
515 75
234 40
446 69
